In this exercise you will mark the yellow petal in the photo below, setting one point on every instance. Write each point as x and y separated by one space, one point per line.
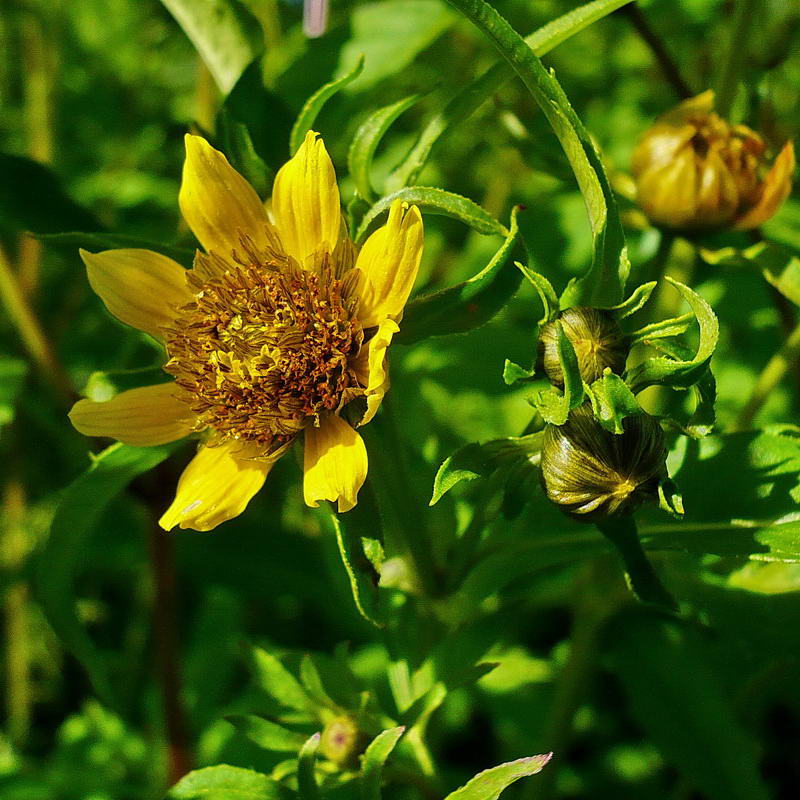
217 202
372 367
335 463
305 201
216 486
139 287
142 417
701 104
776 188
389 261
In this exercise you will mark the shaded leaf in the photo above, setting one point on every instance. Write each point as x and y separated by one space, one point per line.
306 780
375 756
267 734
273 678
13 372
553 404
237 144
94 242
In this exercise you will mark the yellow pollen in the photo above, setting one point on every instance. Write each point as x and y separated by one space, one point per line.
265 347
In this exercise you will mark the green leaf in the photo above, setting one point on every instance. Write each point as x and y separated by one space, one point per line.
466 305
312 682
58 562
547 294
635 302
435 201
225 783
267 734
366 141
360 571
472 96
94 242
33 199
612 401
238 146
480 460
375 756
603 284
308 114
306 780
389 35
489 784
514 373
671 372
273 678
221 32
553 404
665 329
13 372
680 704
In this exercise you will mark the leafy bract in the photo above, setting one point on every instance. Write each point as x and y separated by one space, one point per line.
489 784
225 783
58 562
435 201
612 401
308 114
680 374
366 141
545 290
466 305
554 404
222 33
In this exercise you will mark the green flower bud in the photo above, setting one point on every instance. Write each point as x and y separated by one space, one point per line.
342 741
596 338
592 474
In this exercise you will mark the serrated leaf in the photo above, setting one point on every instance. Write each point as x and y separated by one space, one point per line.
554 404
681 704
489 784
272 677
57 564
635 302
466 305
225 783
267 734
612 401
547 294
308 114
680 374
379 749
366 141
480 460
306 779
222 33
435 201
472 96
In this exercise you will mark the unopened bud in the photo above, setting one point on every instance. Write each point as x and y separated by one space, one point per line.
342 741
592 474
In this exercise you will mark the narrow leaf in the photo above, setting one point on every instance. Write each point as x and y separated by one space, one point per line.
366 141
379 750
274 679
308 114
467 305
267 734
634 303
489 784
435 201
547 294
306 779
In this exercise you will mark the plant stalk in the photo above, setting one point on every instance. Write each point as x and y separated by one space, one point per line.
770 377
642 578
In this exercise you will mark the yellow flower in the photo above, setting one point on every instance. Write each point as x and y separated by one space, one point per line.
280 330
696 171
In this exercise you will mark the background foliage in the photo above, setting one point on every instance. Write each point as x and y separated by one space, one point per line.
103 615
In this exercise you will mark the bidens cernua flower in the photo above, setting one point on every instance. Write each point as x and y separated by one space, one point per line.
279 326
696 171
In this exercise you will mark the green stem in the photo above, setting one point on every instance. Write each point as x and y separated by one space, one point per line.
665 61
744 17
770 377
642 578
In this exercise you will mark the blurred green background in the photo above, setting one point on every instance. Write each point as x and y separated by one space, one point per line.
99 93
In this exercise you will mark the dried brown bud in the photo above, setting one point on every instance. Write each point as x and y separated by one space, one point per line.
696 171
592 474
596 338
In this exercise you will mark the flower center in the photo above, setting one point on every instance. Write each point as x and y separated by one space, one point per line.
265 347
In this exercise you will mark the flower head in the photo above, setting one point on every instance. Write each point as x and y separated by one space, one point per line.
279 331
696 171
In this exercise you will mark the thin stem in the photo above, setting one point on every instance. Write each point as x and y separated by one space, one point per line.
769 378
30 330
165 625
744 17
642 578
665 61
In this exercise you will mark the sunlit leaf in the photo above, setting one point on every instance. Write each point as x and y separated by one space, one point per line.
545 291
612 401
554 404
489 784
273 678
379 749
225 783
267 734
